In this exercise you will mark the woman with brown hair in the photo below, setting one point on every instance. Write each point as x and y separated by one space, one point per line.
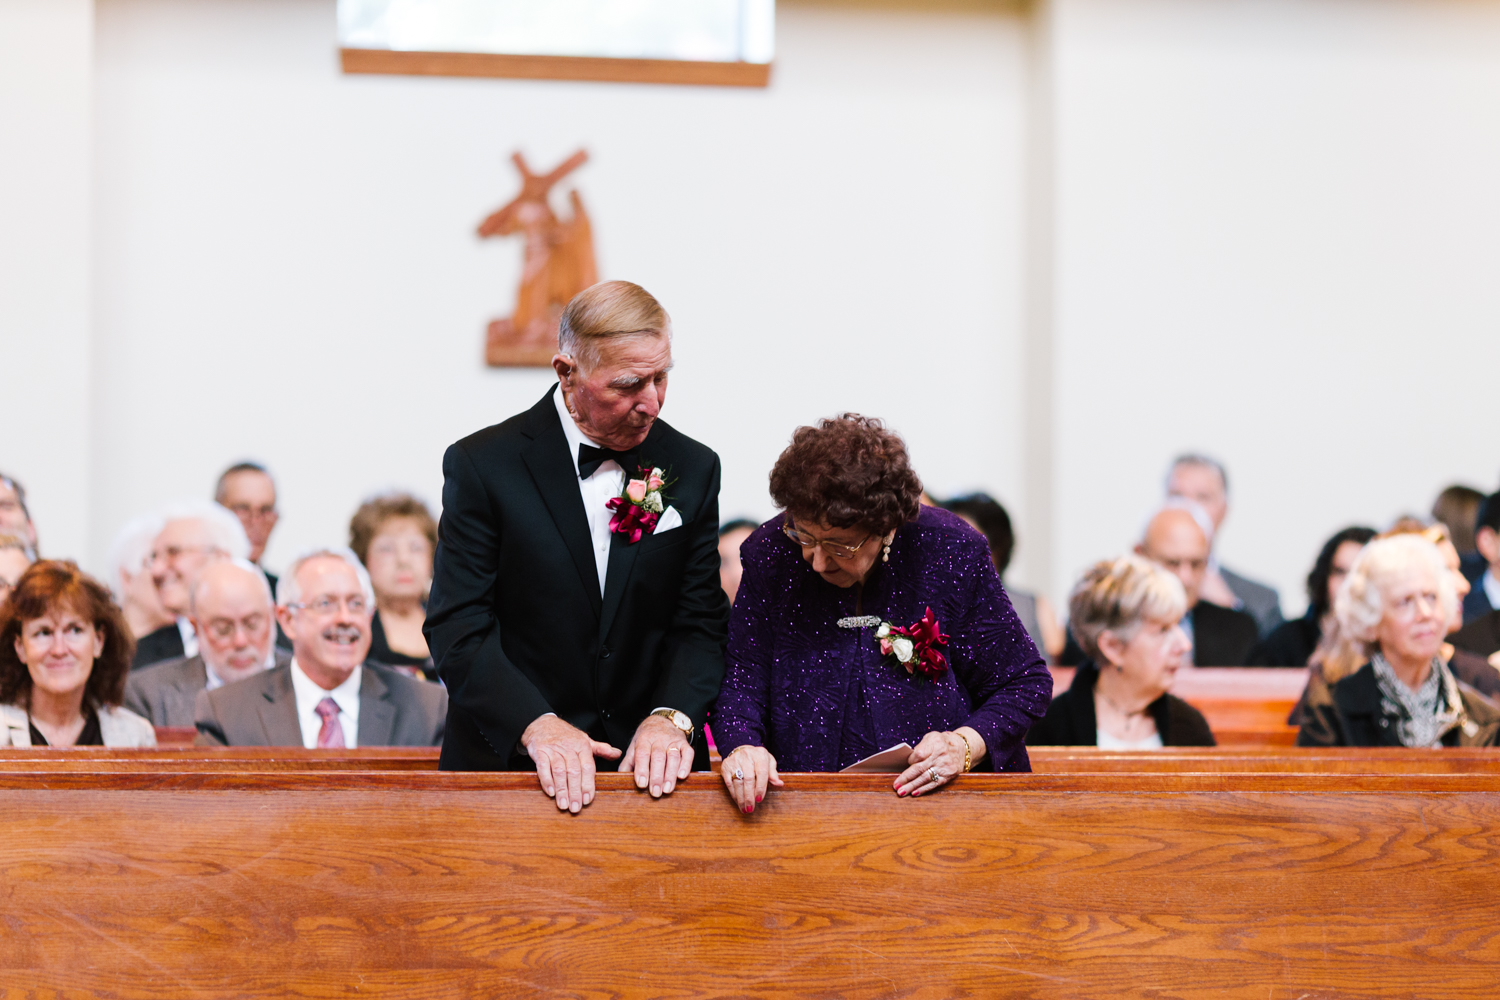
65 651
865 620
395 536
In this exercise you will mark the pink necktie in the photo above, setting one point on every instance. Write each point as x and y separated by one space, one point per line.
332 733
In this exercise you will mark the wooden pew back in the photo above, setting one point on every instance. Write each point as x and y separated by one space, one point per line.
171 883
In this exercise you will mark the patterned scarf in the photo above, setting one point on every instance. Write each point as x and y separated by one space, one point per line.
1425 715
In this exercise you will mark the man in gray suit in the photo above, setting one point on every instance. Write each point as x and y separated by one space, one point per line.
1204 481
232 614
327 696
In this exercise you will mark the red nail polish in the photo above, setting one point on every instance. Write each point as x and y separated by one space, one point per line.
759 798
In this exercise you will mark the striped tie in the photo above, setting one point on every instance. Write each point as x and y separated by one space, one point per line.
331 736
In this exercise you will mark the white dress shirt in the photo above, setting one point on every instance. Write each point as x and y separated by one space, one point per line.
308 694
189 636
607 482
1491 587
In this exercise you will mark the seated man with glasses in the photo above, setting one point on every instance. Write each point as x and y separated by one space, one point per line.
327 696
232 615
249 493
194 533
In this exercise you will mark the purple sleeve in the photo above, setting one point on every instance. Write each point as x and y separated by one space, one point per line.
997 662
739 717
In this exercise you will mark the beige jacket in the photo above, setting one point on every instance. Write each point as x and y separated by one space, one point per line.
120 728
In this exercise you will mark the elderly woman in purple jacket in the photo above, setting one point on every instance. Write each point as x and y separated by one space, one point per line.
864 620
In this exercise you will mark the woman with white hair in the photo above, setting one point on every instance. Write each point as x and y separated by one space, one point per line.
1126 613
1398 600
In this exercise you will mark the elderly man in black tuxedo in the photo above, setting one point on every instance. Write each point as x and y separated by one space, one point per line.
575 605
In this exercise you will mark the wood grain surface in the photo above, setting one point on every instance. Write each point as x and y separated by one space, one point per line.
540 67
418 884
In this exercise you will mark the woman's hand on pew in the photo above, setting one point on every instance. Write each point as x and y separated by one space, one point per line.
938 759
564 756
746 773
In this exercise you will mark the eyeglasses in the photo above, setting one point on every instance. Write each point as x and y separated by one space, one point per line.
223 629
325 606
244 510
172 553
834 549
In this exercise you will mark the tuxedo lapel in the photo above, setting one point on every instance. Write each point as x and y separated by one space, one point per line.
622 553
278 711
556 479
377 716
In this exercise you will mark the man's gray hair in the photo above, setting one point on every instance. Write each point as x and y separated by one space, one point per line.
289 590
224 529
245 466
1202 461
1360 603
244 564
130 550
1192 508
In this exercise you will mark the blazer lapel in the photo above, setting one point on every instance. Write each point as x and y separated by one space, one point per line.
377 716
621 553
556 478
278 711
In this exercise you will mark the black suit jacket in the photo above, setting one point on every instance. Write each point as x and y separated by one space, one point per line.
159 646
1071 721
1222 637
515 621
1480 636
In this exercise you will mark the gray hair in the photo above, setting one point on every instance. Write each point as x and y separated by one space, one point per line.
1192 508
246 466
1119 595
20 492
1203 462
224 529
130 550
289 590
1360 604
243 564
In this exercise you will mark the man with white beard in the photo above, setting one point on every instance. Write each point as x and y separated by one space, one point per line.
327 697
233 616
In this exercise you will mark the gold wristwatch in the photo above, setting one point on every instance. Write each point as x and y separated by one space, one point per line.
679 719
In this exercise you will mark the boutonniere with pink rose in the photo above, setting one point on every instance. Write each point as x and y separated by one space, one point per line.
637 510
917 647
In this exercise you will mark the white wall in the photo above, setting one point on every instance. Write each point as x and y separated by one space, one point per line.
1276 241
287 267
46 73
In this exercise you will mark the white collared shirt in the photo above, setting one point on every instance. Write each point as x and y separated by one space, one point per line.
308 695
215 681
1491 587
607 482
189 636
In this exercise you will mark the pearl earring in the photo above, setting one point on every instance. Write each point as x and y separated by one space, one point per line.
885 556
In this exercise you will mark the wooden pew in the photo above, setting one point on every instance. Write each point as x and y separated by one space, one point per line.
418 884
1245 706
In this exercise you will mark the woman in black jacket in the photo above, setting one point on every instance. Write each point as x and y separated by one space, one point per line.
1126 614
1291 643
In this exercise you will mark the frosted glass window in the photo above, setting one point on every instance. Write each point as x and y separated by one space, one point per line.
689 30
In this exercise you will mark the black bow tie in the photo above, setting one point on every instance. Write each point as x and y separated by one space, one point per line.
590 458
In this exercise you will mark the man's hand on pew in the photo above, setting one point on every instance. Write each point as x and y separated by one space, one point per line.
564 758
659 754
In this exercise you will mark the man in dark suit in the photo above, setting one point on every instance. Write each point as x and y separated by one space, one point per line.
1178 538
559 638
1484 596
232 612
327 696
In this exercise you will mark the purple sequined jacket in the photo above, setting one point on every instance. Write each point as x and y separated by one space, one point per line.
821 697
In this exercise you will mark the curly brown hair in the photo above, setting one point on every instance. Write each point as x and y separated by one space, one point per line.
848 471
51 585
373 514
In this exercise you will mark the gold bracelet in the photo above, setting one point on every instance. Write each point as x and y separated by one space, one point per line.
968 751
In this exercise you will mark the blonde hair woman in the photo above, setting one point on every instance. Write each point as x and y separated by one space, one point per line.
1126 614
1397 605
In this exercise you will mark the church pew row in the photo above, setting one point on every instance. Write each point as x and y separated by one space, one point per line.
1244 706
1044 760
424 885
